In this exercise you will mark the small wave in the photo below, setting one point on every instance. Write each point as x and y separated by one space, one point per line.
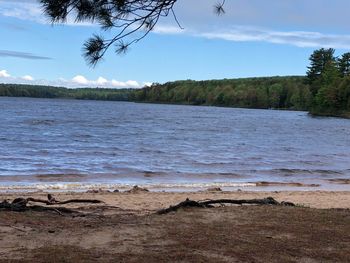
340 180
225 175
292 184
202 163
41 122
327 171
153 174
83 136
54 176
88 186
60 178
289 171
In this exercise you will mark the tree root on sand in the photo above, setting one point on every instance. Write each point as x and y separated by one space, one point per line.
21 204
211 203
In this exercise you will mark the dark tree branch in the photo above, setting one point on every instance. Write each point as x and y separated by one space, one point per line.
176 20
21 204
219 8
210 203
48 202
132 20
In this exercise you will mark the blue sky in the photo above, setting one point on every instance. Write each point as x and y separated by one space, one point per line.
253 38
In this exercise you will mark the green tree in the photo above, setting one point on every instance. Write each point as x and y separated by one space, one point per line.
327 98
344 93
344 64
301 98
318 61
275 91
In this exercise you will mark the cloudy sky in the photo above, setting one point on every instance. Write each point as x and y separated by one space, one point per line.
253 38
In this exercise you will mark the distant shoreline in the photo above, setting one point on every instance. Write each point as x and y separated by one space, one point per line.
269 93
345 115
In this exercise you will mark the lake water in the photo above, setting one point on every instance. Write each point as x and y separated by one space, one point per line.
72 144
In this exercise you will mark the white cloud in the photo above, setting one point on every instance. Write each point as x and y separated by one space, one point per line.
31 11
256 34
132 84
27 77
295 38
200 21
101 81
4 74
79 79
166 29
119 84
147 84
24 11
18 54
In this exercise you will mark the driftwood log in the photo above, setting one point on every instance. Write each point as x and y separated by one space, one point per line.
21 204
211 203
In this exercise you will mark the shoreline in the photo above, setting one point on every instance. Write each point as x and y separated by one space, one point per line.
342 115
333 184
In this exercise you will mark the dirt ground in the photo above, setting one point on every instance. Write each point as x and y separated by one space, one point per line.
107 233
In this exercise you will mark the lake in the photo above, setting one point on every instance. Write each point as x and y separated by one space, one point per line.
77 145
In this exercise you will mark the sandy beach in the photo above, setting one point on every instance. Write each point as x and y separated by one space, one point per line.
125 228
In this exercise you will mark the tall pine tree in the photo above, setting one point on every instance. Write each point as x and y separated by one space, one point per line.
344 64
318 61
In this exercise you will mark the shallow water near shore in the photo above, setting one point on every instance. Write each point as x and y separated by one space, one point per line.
72 145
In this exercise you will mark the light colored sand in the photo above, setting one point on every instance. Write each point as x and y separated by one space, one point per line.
136 234
151 201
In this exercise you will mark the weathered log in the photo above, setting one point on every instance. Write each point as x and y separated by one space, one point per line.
21 204
55 202
210 203
186 203
265 201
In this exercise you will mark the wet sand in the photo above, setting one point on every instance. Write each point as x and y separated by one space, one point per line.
125 228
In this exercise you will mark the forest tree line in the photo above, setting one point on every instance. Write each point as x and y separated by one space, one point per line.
329 82
37 91
260 93
325 90
268 92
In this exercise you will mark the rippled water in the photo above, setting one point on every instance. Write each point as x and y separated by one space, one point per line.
80 143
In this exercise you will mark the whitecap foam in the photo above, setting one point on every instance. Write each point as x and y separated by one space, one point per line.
112 186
